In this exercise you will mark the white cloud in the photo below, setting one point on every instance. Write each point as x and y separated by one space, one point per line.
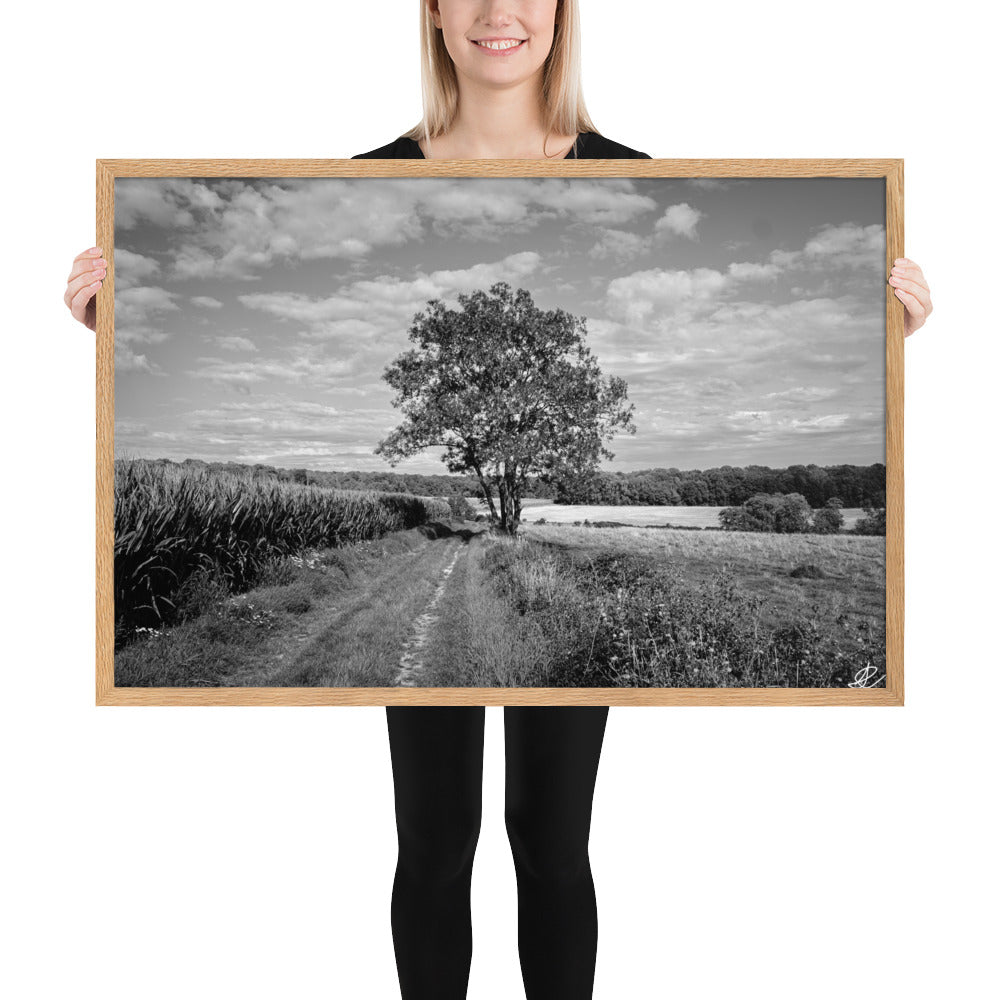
238 374
802 394
619 245
385 305
845 246
850 244
307 366
126 360
164 201
139 320
679 220
646 294
132 269
773 423
233 343
748 270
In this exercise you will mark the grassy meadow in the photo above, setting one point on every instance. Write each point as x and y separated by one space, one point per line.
631 607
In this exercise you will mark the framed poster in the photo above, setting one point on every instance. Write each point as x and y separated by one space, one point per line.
499 432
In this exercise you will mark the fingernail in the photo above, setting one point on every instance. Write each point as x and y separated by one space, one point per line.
94 250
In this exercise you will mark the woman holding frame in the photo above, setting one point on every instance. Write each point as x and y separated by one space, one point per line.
501 79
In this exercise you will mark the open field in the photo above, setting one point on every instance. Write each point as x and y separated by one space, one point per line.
853 566
697 517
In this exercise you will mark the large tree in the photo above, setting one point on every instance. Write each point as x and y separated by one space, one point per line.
509 391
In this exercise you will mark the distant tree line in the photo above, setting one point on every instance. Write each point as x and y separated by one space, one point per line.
852 485
725 486
382 482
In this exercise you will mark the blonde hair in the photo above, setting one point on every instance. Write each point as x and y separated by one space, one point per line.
564 112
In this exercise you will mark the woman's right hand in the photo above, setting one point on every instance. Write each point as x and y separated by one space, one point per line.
85 277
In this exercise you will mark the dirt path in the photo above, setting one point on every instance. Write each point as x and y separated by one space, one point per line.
361 635
411 663
376 635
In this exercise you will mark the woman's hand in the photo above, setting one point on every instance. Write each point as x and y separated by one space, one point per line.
85 277
910 286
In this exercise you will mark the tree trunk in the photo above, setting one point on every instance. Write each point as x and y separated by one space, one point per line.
487 491
504 505
510 488
488 497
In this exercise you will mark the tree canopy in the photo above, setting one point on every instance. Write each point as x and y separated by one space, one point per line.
783 513
509 391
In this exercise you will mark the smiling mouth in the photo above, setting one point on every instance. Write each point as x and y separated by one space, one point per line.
505 45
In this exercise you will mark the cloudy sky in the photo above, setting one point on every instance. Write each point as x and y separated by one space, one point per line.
254 317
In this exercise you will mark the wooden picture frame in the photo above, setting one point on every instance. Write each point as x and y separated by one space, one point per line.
887 172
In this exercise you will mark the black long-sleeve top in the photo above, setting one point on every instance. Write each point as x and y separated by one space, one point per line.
588 146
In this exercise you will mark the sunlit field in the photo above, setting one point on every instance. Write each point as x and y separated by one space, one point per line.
685 517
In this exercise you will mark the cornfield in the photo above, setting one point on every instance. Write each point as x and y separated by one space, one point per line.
171 521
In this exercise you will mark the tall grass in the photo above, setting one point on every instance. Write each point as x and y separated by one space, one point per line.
173 523
617 618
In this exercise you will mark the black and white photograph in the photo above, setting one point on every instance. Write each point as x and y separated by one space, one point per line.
500 432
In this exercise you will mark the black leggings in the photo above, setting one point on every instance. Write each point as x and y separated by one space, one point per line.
552 753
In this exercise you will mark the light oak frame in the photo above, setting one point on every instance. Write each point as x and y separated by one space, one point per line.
891 170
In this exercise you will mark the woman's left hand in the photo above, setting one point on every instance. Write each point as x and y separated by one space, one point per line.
910 286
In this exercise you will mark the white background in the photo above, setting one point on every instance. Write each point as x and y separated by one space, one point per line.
248 852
